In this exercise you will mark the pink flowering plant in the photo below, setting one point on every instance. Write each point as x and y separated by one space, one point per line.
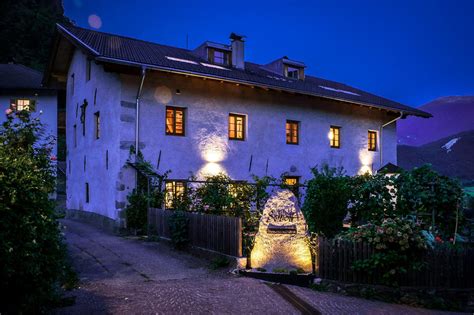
398 244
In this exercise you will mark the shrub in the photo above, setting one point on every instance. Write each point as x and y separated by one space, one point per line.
372 198
219 262
326 200
149 193
136 211
218 195
178 224
397 242
425 193
33 258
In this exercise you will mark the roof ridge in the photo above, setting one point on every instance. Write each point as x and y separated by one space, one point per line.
123 36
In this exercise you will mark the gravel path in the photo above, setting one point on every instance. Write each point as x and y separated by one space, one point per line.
125 276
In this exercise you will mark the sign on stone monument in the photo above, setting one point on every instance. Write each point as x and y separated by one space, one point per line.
281 241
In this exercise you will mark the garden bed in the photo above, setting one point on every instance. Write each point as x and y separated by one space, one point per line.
427 297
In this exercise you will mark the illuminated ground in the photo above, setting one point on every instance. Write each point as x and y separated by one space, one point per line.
124 276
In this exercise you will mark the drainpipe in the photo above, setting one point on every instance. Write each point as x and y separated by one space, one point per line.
137 114
381 135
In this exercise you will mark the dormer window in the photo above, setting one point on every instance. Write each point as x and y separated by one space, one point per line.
292 72
218 56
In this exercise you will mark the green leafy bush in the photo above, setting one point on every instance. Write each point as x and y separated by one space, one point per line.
372 198
428 195
32 255
219 262
326 201
179 224
218 195
136 211
397 242
149 193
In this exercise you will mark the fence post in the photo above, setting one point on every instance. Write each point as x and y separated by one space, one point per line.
239 240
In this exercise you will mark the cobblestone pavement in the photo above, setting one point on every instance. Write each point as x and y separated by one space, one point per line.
125 276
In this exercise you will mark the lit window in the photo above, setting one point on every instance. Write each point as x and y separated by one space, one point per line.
218 56
236 127
97 125
292 130
22 104
292 72
88 70
292 182
372 145
335 137
174 190
175 121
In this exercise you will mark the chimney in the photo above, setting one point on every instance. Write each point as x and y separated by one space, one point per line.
237 43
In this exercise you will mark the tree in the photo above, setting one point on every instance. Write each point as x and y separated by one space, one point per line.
373 198
434 198
32 254
327 196
26 30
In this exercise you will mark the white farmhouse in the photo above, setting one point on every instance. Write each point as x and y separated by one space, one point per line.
21 89
204 111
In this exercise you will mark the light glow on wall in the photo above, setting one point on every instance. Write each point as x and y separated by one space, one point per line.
366 159
211 169
214 149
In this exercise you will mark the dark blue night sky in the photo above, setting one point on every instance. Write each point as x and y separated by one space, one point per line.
408 51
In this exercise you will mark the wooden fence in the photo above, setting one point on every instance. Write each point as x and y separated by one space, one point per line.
217 233
442 268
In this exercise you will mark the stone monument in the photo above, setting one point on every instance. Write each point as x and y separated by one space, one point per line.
281 241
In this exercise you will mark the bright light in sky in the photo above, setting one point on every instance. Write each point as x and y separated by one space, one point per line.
94 21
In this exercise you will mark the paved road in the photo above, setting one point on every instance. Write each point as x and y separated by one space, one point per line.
126 276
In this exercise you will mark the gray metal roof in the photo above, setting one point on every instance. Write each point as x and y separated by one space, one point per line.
16 76
124 50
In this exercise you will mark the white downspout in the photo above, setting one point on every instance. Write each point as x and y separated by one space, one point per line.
381 135
137 114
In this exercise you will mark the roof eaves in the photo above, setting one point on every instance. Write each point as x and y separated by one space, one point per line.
64 31
274 87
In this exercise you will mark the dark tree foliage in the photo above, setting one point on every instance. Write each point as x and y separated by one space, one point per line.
26 30
327 196
427 195
32 254
373 198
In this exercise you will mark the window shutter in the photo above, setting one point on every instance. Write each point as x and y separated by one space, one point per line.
13 104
